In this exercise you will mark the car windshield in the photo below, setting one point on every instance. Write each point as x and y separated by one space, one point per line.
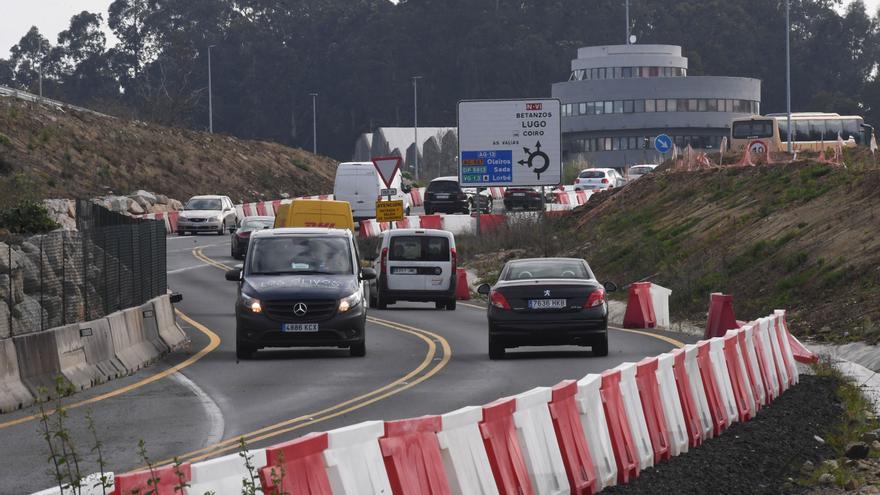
257 223
592 174
639 170
300 255
203 204
449 186
528 270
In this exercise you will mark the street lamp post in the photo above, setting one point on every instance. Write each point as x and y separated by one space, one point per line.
314 123
210 94
788 70
628 41
415 80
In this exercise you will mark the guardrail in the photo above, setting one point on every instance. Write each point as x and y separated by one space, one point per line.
26 96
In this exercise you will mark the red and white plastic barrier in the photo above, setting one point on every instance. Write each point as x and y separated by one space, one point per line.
576 437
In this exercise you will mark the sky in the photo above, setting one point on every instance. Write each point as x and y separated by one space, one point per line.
53 16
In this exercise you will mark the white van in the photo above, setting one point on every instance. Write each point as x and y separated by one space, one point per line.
359 184
414 265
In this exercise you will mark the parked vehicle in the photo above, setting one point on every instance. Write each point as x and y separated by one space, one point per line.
522 198
300 288
207 214
483 201
598 178
547 301
315 213
638 171
444 195
414 265
242 235
359 184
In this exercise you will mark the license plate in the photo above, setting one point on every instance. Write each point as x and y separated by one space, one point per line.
519 194
442 196
547 303
403 271
299 327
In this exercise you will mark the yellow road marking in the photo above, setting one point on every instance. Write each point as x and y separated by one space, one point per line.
213 342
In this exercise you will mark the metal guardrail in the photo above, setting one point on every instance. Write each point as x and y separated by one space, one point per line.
25 96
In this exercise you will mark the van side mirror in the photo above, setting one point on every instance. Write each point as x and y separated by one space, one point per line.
406 188
484 289
368 274
233 275
610 287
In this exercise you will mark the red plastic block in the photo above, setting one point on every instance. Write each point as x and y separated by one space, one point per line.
138 482
172 220
710 385
432 222
572 442
502 447
618 427
261 208
721 317
752 373
801 353
639 308
737 379
462 289
491 222
688 406
412 456
652 405
299 467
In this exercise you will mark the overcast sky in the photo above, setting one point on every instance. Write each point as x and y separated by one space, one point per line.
53 16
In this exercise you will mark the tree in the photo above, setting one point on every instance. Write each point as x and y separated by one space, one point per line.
31 60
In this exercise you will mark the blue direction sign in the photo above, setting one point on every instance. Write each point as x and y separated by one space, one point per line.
663 143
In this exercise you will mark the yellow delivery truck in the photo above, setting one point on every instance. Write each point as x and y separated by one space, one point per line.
315 213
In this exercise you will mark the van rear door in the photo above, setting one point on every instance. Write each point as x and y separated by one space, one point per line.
358 184
419 262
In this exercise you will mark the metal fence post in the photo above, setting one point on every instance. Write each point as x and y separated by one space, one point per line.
63 284
106 292
118 273
42 291
85 274
11 294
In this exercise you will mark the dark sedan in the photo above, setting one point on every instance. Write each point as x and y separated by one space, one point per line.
547 301
242 236
522 198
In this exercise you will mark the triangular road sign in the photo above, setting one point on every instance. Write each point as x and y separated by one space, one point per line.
387 166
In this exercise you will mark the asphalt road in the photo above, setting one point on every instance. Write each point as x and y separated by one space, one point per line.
419 361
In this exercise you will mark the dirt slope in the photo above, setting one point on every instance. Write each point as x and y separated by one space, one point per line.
49 152
804 236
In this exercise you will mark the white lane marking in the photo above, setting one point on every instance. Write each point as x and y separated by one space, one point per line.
216 424
188 249
186 268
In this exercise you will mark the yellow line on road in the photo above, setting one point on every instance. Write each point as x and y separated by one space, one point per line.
213 342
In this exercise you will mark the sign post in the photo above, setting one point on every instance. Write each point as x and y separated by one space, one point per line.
388 211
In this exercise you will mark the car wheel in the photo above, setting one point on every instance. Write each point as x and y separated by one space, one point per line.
600 347
222 229
496 349
439 305
358 350
244 351
450 305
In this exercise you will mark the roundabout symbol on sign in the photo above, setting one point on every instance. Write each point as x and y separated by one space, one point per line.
532 156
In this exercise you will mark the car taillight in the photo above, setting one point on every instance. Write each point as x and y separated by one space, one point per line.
384 260
597 298
454 256
498 300
604 181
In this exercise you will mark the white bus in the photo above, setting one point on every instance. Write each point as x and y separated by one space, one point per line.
810 131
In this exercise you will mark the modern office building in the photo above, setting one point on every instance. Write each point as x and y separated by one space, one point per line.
619 97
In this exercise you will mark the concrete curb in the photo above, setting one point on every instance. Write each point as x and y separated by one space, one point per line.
13 393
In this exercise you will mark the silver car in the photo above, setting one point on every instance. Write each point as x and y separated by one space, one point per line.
214 214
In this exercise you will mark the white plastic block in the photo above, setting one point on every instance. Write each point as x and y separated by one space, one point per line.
354 459
464 454
534 428
722 377
672 411
660 300
741 365
635 415
225 474
752 357
592 414
777 353
697 391
793 374
767 352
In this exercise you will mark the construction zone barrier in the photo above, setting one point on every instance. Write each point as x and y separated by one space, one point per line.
13 393
72 357
38 364
639 307
573 446
431 222
491 222
463 453
536 435
576 437
412 456
90 485
721 317
172 335
100 353
660 303
785 347
462 288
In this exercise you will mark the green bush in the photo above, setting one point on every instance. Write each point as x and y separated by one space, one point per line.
27 217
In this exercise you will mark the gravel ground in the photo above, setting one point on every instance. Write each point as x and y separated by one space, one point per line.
756 457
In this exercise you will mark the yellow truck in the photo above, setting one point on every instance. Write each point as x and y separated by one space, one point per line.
315 213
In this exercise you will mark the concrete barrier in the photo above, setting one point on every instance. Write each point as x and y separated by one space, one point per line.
38 364
98 345
170 332
224 474
129 341
13 394
72 357
464 455
534 427
150 325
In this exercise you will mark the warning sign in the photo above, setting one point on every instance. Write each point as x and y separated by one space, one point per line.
509 143
389 211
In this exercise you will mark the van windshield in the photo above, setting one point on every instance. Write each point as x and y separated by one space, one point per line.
300 255
419 248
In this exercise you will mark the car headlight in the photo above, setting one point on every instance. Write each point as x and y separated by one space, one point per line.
349 302
218 218
251 304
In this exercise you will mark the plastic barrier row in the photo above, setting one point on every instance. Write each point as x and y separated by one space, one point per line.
457 224
575 437
86 354
573 198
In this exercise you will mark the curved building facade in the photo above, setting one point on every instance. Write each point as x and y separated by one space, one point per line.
619 97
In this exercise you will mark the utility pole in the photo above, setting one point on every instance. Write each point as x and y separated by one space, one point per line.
788 70
41 80
314 123
415 80
210 95
627 23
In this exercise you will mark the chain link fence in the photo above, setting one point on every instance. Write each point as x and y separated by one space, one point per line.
111 262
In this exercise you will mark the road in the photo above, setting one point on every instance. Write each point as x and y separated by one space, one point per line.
419 361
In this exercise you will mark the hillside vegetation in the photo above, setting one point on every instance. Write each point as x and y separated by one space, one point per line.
49 152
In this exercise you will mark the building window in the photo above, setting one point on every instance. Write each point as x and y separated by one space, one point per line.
582 109
627 106
640 106
701 105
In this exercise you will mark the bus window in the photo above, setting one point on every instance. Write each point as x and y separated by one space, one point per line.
852 127
783 130
753 129
801 130
833 128
817 130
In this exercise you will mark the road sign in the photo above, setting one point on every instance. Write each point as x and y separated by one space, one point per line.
509 143
389 211
663 143
387 166
388 192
